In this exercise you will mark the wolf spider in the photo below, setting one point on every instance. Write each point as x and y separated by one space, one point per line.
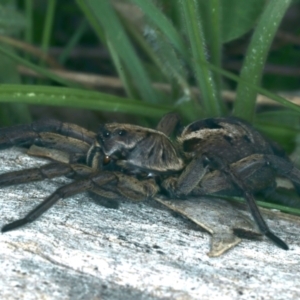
215 156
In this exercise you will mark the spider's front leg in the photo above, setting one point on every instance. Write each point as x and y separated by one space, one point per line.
111 185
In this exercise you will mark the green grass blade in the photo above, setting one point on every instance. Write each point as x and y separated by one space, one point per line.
121 69
239 17
12 22
48 26
29 14
286 209
203 75
67 97
106 18
256 56
28 34
92 19
286 103
164 25
170 69
73 41
215 35
11 113
38 69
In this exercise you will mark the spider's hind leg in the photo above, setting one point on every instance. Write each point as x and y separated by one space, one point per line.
248 195
254 161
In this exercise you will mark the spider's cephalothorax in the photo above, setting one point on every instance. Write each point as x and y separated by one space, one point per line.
139 149
212 156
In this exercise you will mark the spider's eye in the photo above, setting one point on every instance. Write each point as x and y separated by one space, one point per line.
206 161
106 134
122 132
106 160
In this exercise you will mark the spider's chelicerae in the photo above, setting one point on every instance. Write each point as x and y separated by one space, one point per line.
209 157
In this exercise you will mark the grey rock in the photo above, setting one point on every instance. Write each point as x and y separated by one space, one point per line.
81 250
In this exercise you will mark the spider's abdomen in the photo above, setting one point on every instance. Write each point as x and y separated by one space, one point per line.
230 139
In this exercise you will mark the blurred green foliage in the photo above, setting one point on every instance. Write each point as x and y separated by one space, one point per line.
182 45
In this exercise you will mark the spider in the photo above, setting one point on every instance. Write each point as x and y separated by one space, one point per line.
215 156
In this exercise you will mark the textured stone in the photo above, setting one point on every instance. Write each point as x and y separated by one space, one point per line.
81 250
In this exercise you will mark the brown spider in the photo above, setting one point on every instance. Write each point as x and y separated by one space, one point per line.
210 157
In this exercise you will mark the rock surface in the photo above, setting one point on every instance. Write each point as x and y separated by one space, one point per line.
81 250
